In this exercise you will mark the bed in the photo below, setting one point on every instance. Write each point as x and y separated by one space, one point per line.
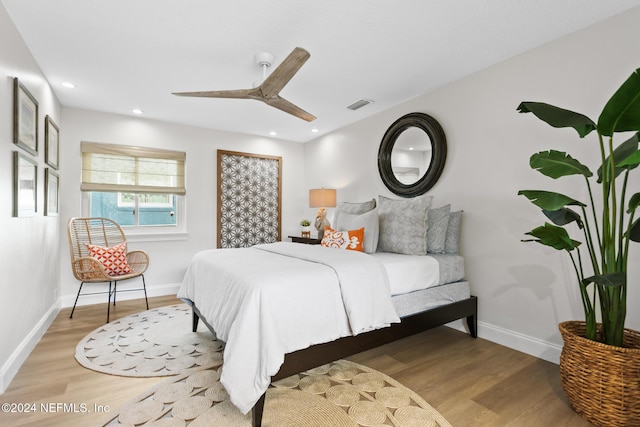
284 308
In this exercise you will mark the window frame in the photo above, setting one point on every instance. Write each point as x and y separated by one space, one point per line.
175 186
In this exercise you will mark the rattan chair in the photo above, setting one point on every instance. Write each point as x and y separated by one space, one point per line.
87 269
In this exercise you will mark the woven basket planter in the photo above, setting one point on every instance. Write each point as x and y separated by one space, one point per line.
602 382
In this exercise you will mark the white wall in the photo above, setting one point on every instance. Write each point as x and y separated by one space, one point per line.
524 290
169 258
28 246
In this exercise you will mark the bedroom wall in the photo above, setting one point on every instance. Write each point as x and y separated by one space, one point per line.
524 290
29 246
169 255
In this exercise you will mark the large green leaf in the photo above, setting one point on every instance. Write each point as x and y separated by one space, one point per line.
553 236
634 202
555 164
622 111
559 117
609 279
549 200
632 161
634 233
625 156
563 216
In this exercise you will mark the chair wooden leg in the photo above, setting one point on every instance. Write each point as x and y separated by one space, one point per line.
115 287
76 301
144 286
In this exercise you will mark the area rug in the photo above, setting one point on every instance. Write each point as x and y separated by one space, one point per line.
159 342
153 343
339 394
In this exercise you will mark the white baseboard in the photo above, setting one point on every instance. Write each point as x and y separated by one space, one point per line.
152 291
20 354
533 346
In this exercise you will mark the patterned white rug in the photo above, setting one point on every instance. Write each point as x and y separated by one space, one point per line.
158 342
335 395
153 343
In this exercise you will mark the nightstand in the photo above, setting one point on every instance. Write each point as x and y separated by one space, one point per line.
305 240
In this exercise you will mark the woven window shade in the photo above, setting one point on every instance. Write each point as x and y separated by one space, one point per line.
127 169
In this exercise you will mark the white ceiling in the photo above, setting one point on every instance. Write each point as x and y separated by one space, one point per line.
126 54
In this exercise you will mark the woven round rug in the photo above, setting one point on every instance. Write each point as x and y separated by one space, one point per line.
339 394
152 343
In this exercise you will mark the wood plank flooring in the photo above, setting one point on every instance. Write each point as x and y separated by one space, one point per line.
471 382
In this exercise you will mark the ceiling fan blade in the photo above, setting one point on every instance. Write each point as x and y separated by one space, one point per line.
274 83
238 93
288 107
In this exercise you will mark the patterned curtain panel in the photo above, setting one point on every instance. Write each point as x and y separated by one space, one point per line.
249 199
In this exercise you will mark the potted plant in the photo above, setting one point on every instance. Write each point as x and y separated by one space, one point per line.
306 228
595 387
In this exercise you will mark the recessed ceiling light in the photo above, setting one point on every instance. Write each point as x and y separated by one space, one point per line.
314 130
136 111
68 85
273 133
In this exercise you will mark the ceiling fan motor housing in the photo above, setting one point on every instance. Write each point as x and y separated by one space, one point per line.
264 59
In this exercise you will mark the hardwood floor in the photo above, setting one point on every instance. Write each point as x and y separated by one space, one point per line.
472 382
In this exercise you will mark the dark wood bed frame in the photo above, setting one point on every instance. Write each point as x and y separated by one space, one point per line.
321 354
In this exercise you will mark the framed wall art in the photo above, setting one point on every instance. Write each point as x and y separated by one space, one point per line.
249 199
25 182
51 188
52 143
25 118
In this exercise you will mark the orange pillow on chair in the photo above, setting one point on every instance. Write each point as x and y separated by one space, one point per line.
349 240
113 259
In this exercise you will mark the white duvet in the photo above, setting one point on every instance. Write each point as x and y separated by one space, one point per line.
269 300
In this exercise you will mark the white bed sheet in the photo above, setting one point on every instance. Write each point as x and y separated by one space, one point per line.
298 303
408 273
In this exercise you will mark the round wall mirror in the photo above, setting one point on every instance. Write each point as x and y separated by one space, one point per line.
412 154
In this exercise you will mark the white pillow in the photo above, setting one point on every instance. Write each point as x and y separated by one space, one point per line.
368 220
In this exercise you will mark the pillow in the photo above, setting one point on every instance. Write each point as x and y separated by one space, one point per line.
403 225
349 240
352 209
368 221
452 241
113 259
438 219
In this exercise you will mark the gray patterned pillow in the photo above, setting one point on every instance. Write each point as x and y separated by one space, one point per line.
403 225
356 208
452 241
438 219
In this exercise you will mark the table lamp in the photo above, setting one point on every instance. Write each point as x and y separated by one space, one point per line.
322 198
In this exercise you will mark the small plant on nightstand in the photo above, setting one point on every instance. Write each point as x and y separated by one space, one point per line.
306 228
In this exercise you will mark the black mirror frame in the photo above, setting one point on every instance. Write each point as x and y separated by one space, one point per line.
438 154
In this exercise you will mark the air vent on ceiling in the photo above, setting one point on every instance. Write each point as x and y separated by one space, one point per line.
359 104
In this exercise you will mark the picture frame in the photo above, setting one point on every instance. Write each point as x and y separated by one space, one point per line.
52 188
25 185
52 143
25 118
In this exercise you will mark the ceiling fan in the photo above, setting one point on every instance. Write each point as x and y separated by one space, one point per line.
269 88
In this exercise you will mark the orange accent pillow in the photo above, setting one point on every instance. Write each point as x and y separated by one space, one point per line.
349 240
113 259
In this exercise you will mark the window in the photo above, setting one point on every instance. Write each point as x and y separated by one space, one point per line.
129 209
134 186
